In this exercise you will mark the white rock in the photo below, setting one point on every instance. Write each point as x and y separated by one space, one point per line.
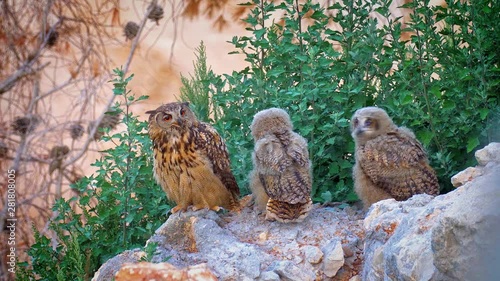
312 254
244 246
269 276
490 153
451 237
466 176
290 272
333 257
355 278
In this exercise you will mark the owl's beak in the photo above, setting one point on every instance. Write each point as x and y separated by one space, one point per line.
179 122
359 131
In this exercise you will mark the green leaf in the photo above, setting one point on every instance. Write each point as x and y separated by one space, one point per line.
472 143
483 112
259 33
143 97
406 98
425 137
326 196
448 105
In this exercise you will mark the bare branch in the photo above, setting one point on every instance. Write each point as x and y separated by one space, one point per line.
112 97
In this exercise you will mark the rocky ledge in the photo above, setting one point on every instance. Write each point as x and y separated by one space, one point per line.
449 237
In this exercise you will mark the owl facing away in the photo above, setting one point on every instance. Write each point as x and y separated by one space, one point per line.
281 180
191 162
390 161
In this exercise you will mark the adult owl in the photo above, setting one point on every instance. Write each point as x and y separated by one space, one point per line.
390 161
191 162
281 180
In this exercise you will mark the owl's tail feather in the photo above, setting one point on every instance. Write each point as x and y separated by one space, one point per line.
286 212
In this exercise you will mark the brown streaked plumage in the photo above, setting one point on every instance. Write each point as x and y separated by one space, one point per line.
390 161
191 162
281 181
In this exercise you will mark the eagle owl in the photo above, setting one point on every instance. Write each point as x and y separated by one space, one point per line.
191 162
390 161
281 180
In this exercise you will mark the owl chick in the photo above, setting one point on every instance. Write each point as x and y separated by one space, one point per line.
390 161
281 180
191 162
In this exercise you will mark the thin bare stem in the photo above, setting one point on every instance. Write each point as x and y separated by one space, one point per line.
111 99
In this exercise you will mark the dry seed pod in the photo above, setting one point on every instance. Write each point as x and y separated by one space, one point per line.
130 30
52 40
156 13
76 131
110 121
24 125
59 151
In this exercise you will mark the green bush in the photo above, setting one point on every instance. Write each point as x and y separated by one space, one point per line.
444 85
120 205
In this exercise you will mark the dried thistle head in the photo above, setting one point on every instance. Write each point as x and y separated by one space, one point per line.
110 120
130 30
156 13
4 150
52 38
59 151
76 131
25 125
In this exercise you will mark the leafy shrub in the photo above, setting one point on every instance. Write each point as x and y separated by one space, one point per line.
443 84
197 90
120 206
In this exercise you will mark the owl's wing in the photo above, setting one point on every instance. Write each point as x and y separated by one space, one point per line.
271 154
297 150
293 186
398 164
281 178
211 144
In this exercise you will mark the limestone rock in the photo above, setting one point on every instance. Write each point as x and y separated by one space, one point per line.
466 176
269 276
355 278
109 269
334 257
490 153
244 246
288 271
442 238
312 254
488 156
163 272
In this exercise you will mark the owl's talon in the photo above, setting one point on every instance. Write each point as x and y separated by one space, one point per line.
177 209
216 208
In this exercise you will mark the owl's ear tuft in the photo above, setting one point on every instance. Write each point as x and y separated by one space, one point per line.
186 103
151 111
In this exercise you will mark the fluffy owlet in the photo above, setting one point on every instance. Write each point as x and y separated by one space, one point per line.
281 180
390 161
191 162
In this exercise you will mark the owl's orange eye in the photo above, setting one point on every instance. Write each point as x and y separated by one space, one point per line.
183 112
167 117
